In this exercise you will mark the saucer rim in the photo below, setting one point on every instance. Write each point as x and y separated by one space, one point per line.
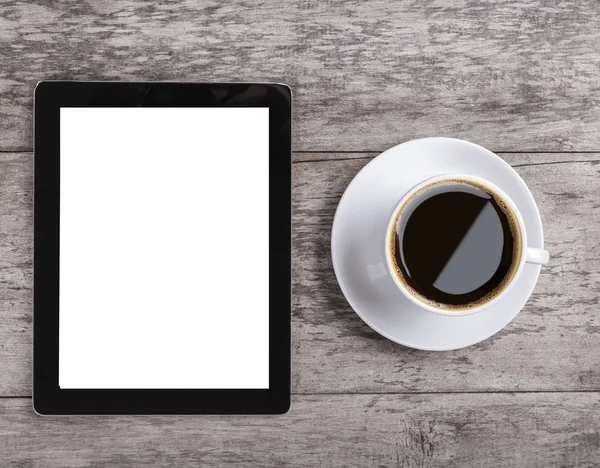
344 289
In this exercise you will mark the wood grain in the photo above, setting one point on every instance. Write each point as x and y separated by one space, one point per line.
514 159
513 75
553 345
16 272
418 431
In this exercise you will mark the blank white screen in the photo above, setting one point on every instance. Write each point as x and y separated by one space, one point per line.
164 248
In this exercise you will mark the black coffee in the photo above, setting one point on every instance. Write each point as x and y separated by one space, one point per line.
458 248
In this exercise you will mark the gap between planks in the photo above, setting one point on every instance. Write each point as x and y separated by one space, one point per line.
30 150
494 392
504 152
374 153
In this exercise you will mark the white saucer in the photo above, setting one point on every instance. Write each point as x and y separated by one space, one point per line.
357 244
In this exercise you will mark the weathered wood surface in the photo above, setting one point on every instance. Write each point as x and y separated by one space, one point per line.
16 272
513 75
553 345
419 431
514 159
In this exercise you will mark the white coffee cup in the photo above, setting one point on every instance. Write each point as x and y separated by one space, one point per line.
429 188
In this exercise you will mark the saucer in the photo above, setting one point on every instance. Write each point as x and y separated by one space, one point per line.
358 253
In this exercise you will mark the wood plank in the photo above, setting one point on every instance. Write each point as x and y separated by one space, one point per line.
16 272
552 345
512 75
514 159
500 430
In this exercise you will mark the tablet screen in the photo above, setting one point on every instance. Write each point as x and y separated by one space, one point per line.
164 248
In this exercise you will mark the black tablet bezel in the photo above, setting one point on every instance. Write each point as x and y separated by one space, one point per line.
48 398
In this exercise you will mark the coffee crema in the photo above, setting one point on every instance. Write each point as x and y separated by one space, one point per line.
458 248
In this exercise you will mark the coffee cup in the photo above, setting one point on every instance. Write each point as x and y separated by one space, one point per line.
456 244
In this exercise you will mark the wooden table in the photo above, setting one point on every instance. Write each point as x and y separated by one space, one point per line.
519 77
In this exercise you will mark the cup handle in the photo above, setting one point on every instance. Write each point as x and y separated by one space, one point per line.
537 256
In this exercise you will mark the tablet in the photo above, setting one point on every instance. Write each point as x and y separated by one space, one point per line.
162 248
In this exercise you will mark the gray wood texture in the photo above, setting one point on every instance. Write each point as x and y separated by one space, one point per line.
402 431
553 345
521 77
513 75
